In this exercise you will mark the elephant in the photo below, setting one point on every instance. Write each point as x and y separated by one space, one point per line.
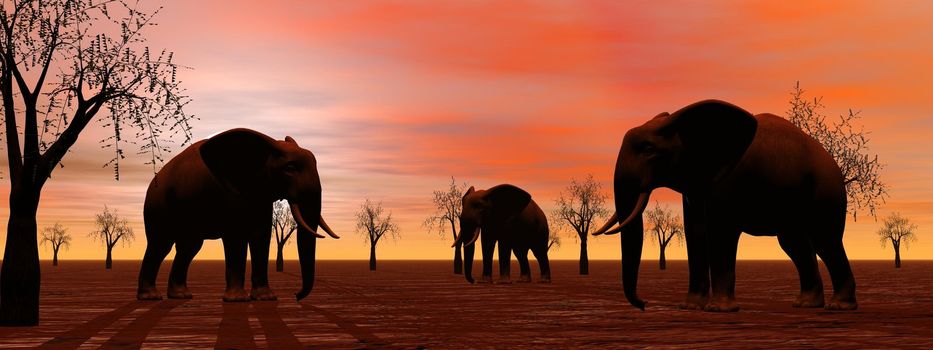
223 187
506 215
736 172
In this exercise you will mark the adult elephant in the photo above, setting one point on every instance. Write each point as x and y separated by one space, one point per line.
737 172
506 215
224 187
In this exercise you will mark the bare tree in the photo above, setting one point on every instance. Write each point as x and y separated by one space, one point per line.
848 145
111 230
582 203
447 206
283 225
373 226
57 237
553 241
664 226
899 231
64 64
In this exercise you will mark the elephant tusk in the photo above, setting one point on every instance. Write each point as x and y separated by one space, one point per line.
613 231
476 234
328 229
301 220
612 221
639 207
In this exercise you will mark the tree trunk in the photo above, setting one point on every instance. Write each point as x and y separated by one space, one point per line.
584 257
662 260
372 257
279 262
897 257
458 260
20 275
109 262
55 257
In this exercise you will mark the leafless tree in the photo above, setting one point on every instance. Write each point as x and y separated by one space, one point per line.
283 225
553 241
371 224
900 232
664 226
447 205
57 237
111 230
848 144
577 207
64 64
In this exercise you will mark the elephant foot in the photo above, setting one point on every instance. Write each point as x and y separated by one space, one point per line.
504 280
694 302
524 279
236 295
262 294
178 292
485 279
545 279
841 305
148 294
809 300
723 306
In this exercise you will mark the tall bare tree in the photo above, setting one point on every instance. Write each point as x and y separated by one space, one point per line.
64 64
578 205
664 226
848 144
900 232
57 237
283 225
447 205
373 226
112 230
553 241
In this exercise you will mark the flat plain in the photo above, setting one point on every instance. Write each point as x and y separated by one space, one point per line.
422 304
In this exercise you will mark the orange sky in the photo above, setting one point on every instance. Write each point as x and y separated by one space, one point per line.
395 97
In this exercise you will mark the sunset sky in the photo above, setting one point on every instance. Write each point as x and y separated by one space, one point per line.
395 97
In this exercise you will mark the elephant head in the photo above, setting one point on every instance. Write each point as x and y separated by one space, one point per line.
686 151
486 208
260 168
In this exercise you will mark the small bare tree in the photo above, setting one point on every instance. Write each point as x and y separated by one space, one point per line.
57 237
63 65
283 225
848 145
371 224
900 232
553 241
582 203
447 205
111 230
664 226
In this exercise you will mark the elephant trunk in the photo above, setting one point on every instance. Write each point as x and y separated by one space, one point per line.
468 252
632 203
307 245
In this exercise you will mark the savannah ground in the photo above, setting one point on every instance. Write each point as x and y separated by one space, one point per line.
420 304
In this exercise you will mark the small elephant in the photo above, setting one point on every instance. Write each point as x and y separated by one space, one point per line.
224 187
737 172
505 214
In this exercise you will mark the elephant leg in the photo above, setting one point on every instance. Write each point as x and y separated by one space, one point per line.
178 278
156 250
505 263
723 245
522 256
697 259
800 251
235 256
489 246
543 264
833 254
259 251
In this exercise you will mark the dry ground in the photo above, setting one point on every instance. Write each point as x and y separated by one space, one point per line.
420 304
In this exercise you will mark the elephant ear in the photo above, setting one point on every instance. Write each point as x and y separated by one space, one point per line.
507 200
238 157
714 134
